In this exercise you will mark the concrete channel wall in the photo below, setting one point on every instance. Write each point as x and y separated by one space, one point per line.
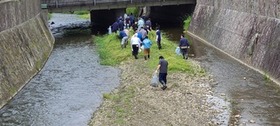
25 44
248 30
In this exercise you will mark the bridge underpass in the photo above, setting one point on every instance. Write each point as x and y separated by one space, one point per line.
76 5
105 12
167 16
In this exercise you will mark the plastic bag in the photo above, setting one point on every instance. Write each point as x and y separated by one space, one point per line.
178 51
154 81
142 47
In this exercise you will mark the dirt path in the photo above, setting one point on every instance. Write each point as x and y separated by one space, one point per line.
136 103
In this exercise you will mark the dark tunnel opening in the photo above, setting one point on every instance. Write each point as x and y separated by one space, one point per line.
163 16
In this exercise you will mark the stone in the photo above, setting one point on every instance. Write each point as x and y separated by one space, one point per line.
252 121
237 116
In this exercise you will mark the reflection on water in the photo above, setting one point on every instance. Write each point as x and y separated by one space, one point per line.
253 97
67 90
173 32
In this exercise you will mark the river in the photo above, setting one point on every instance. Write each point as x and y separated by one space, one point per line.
70 86
253 98
66 91
249 98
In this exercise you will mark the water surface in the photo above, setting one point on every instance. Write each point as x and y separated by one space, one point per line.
68 89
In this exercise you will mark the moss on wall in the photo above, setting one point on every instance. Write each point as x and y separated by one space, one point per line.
25 45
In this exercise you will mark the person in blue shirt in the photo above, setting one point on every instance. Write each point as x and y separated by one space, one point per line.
158 38
184 45
147 43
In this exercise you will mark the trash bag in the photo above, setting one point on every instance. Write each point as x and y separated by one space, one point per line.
142 47
178 51
154 81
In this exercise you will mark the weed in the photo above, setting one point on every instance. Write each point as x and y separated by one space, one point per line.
49 16
132 10
107 96
83 14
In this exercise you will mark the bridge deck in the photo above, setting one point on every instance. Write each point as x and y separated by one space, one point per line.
73 5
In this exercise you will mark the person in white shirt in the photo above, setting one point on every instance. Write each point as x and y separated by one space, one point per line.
135 45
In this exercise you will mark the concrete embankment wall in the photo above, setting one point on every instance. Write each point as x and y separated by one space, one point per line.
248 30
25 44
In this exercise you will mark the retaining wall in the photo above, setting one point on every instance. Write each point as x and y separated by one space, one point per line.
25 44
248 30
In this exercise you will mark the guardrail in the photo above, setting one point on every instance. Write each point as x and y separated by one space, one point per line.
67 3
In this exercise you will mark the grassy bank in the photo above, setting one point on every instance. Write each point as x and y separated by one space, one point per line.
111 54
136 103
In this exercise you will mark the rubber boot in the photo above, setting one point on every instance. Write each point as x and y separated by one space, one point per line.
163 85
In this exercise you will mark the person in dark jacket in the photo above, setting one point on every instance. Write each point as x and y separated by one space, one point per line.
121 25
148 24
158 38
162 67
184 45
132 19
115 26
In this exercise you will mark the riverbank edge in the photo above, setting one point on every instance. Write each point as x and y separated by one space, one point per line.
222 51
120 106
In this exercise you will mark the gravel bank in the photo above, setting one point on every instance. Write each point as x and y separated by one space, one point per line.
138 104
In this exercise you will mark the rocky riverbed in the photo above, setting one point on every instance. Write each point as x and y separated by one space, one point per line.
188 100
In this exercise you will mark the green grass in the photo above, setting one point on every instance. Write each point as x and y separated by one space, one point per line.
187 22
122 103
110 50
83 14
186 26
266 78
132 10
49 16
111 53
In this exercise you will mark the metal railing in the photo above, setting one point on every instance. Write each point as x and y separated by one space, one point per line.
67 3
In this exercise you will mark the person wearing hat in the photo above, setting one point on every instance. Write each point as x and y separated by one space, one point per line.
162 67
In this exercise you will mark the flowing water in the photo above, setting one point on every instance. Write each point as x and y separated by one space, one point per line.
251 95
249 98
67 90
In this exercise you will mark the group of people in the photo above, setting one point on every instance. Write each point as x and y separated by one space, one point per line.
122 22
140 41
